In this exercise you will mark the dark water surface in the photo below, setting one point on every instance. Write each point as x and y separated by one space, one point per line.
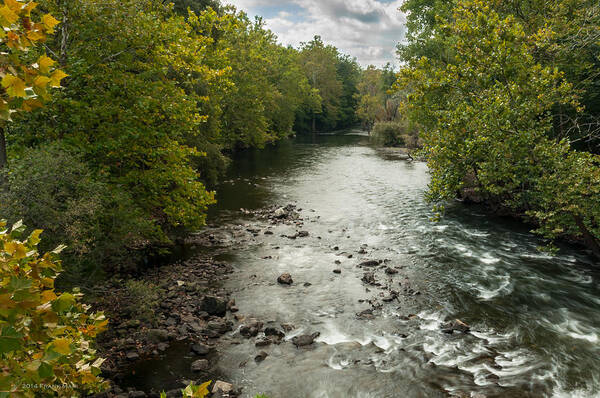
535 318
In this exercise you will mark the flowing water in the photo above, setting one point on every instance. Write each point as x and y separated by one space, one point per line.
535 319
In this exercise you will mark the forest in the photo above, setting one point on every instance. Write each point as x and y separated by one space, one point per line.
123 124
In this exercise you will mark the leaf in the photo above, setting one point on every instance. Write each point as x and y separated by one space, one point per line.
35 35
41 81
49 22
48 295
56 77
10 340
9 15
15 87
45 63
45 371
34 237
14 5
17 284
64 302
62 346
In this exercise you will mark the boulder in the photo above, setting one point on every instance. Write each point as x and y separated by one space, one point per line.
391 271
285 279
200 349
280 213
261 356
456 325
157 335
200 365
132 355
214 305
366 314
303 234
263 342
370 263
273 331
305 339
369 278
222 387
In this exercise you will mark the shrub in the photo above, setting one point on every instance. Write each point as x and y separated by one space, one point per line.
53 188
388 133
45 336
143 299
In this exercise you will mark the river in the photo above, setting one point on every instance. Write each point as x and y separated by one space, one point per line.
535 319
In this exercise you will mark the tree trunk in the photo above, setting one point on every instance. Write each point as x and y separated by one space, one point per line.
314 124
590 240
3 155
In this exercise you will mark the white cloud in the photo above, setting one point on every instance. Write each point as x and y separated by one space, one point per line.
366 29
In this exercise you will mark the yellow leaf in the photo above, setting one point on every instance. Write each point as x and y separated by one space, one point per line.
61 346
45 63
48 295
35 35
10 247
8 15
49 22
14 86
41 81
29 7
203 390
56 77
13 5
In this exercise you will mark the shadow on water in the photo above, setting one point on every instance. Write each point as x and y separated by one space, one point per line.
169 371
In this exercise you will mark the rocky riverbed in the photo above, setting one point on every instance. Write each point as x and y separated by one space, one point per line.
196 318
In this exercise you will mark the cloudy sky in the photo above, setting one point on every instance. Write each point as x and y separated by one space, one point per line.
366 29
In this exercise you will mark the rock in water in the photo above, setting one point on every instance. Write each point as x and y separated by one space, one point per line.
261 356
200 349
214 305
285 279
303 234
280 213
222 387
369 278
305 339
200 365
337 271
272 331
157 335
370 263
456 325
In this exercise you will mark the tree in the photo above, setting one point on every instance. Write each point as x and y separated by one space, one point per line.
45 336
26 75
487 114
320 67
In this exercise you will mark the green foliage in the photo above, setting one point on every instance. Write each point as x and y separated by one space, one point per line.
45 336
265 84
388 134
487 114
143 299
54 188
376 101
396 134
132 127
333 78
